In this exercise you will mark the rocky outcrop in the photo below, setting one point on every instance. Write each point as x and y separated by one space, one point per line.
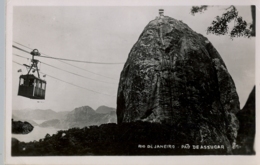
175 76
19 127
246 133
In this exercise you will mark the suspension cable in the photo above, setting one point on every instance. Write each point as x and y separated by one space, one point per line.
68 63
89 62
67 71
70 83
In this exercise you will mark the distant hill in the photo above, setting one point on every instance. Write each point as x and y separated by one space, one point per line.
42 114
39 114
79 117
63 115
109 118
86 116
54 123
49 123
104 109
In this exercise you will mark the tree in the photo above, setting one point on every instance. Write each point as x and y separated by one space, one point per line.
219 26
47 136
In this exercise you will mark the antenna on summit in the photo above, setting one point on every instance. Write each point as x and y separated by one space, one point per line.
161 12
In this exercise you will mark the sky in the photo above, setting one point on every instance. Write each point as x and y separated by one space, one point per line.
107 34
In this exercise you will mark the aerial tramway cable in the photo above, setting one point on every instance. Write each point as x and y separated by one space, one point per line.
89 62
22 45
33 87
77 85
76 74
69 82
68 63
20 49
68 71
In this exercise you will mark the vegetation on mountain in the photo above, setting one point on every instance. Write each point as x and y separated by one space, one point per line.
135 138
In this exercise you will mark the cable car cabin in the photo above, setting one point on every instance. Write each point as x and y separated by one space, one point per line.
31 87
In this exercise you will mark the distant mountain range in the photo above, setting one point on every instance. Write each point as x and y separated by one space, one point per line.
105 109
86 116
79 117
39 114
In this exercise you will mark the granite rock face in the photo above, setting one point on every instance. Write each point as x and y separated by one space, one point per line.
175 76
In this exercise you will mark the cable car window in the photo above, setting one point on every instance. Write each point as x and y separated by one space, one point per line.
21 81
38 84
25 81
43 86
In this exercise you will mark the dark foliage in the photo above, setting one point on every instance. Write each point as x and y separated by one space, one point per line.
198 9
246 133
113 139
19 127
241 28
220 26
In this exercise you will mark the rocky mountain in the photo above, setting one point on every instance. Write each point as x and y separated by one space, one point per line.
62 115
247 129
55 123
19 127
175 76
86 116
105 109
109 118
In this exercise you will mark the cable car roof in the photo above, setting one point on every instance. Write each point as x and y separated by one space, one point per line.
31 76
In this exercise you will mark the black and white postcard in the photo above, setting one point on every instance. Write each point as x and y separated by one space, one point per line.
142 82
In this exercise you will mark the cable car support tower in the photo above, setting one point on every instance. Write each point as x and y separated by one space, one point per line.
34 64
